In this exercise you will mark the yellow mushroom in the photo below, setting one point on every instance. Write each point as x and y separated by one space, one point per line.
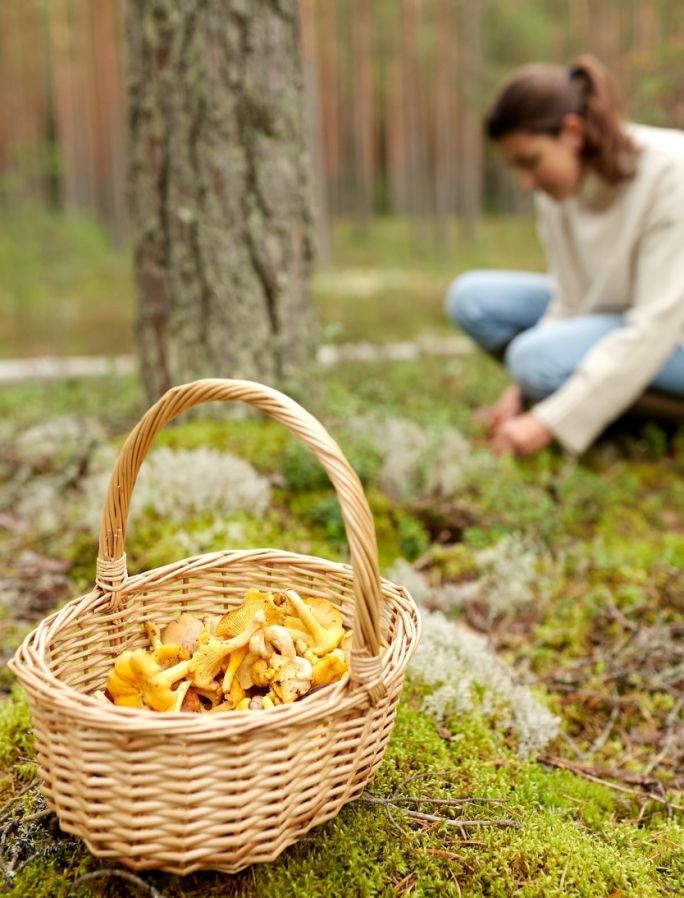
257 645
164 652
243 705
279 638
260 703
235 659
261 673
234 622
138 681
329 668
227 705
326 632
184 631
237 693
168 655
208 658
292 678
153 634
244 671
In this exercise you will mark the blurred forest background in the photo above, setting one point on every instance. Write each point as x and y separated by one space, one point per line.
395 91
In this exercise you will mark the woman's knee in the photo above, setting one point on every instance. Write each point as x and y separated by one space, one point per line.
533 364
463 300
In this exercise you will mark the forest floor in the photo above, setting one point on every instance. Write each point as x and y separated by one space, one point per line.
546 700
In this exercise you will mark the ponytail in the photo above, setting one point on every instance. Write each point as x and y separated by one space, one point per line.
538 97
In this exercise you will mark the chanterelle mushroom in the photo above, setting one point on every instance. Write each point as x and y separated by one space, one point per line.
166 654
326 631
234 622
234 661
208 658
279 638
184 632
329 668
292 677
138 681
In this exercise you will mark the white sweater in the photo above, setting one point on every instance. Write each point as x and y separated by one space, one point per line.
617 250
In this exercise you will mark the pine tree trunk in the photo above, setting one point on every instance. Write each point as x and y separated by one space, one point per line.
330 102
471 136
312 105
219 194
363 107
64 99
445 118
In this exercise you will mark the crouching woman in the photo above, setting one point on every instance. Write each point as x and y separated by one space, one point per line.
583 342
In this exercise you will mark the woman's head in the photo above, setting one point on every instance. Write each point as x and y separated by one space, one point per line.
550 122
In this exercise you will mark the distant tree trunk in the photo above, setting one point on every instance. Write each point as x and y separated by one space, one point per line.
83 65
313 128
419 199
330 101
397 162
471 135
219 194
363 133
445 129
105 30
67 112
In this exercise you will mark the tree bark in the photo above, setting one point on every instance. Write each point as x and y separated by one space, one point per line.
312 105
471 135
445 119
363 107
219 190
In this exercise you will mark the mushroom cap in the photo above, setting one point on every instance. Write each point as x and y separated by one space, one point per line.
322 619
168 654
329 668
292 678
184 631
191 702
238 619
137 681
327 613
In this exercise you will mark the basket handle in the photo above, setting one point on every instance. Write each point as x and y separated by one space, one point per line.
111 562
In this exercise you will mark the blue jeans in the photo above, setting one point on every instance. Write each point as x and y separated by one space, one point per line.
499 310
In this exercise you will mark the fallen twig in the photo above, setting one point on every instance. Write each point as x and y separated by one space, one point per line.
458 822
593 775
6 807
435 818
121 874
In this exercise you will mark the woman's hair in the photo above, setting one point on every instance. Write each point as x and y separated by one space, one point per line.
537 98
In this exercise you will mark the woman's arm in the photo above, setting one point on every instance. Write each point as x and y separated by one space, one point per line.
617 370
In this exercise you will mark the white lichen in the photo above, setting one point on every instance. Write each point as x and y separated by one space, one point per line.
506 576
178 485
422 462
457 665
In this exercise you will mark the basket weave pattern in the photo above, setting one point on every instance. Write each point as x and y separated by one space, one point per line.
183 792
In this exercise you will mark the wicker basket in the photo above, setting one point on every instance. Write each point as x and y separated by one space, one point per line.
183 792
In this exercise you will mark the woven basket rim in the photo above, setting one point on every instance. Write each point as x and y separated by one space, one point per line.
29 662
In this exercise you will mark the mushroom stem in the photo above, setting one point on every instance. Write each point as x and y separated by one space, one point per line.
324 640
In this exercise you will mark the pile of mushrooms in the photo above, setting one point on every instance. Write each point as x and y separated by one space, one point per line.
271 650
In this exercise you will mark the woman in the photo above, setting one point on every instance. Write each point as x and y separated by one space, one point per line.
583 343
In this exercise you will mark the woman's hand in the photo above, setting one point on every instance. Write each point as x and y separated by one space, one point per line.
521 435
507 406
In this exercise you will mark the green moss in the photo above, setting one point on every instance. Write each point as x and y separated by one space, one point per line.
609 530
256 439
16 736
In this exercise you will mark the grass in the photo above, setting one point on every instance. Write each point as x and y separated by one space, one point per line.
68 291
599 639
